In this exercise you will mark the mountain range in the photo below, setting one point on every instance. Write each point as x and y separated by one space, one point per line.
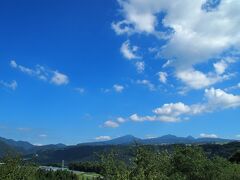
167 139
23 147
55 153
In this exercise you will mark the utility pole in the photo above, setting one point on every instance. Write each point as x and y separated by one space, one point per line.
62 164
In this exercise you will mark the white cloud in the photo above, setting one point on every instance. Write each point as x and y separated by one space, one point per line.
163 77
136 117
103 138
197 80
114 124
38 144
173 112
140 65
220 67
166 64
172 109
42 135
195 33
12 85
121 120
218 98
118 88
233 87
147 83
149 136
111 124
59 78
203 135
138 19
13 64
122 27
42 73
128 51
190 24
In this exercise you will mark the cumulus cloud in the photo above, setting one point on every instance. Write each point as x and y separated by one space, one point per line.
111 124
103 138
138 19
121 120
147 83
214 99
136 117
128 51
190 23
59 78
42 73
173 109
198 80
203 135
194 32
162 77
12 85
140 66
173 112
221 66
114 124
218 98
118 88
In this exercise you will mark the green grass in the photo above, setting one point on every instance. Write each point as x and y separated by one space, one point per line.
87 176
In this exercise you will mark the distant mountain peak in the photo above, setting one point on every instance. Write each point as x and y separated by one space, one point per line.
168 136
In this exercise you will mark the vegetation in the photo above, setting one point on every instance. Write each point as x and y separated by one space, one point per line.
184 163
143 163
86 167
54 175
85 153
16 169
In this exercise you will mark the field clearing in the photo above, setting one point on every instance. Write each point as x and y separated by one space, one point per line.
87 176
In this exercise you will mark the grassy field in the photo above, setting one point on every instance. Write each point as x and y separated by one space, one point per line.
87 176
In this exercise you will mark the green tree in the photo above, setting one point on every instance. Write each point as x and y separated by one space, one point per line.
14 168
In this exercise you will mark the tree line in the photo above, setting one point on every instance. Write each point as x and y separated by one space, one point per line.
145 163
184 163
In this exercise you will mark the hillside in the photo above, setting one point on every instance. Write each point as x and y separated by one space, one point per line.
92 153
5 149
89 151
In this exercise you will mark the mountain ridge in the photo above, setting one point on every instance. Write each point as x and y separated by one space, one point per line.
24 147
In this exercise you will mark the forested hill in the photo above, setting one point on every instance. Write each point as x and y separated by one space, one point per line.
90 151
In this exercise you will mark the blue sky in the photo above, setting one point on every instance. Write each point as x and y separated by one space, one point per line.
86 70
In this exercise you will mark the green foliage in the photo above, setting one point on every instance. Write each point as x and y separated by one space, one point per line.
184 163
54 175
86 167
236 157
15 169
113 168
